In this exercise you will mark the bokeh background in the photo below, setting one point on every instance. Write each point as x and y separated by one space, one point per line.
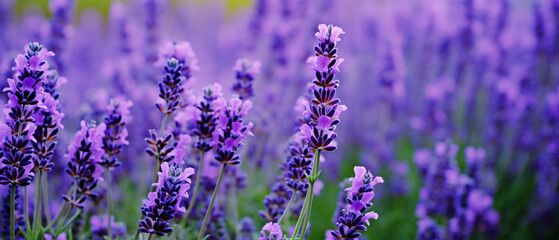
480 73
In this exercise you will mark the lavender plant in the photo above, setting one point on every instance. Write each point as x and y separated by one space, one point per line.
323 110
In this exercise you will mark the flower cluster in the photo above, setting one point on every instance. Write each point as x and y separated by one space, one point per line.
85 154
245 70
25 94
201 118
162 205
359 196
48 120
160 148
324 109
299 165
99 227
116 131
273 230
230 130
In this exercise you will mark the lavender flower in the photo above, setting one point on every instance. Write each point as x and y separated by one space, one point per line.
427 229
85 153
438 194
60 23
245 71
271 231
230 130
116 131
359 198
201 118
48 120
99 227
162 205
324 109
246 226
24 95
160 148
299 165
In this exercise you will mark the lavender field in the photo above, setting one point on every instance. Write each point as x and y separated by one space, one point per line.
279 119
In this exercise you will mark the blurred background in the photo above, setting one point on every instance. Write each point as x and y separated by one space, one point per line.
461 86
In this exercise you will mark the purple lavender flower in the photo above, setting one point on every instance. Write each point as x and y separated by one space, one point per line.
24 95
116 131
245 71
162 205
201 118
324 109
230 130
48 120
246 226
85 155
359 196
299 165
60 23
271 231
427 229
161 148
438 193
99 227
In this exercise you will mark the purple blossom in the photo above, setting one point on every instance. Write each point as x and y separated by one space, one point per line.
201 118
48 120
116 131
323 109
25 93
359 196
85 154
163 204
245 71
230 129
271 231
99 227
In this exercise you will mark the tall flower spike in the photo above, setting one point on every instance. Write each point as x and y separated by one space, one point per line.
48 120
163 204
25 92
231 130
116 131
323 110
178 60
201 118
359 196
85 154
245 71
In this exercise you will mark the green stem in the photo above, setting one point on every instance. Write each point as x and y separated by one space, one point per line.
287 208
151 236
109 203
233 207
63 226
46 199
27 224
209 210
301 216
37 213
311 191
306 213
196 188
12 212
163 122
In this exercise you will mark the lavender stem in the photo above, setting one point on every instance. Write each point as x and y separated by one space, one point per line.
209 210
196 188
